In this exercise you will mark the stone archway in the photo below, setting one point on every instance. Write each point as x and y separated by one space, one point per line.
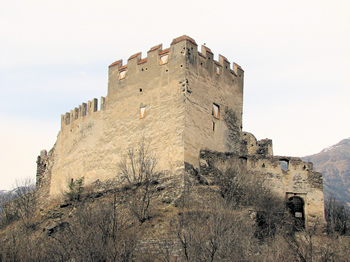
296 206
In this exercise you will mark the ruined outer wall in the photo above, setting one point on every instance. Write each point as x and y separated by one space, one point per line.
91 142
212 83
43 175
298 179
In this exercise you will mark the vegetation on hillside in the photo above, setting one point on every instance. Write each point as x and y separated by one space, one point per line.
237 218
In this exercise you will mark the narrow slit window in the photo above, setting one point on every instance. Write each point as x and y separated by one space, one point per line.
216 111
218 70
164 59
122 75
142 112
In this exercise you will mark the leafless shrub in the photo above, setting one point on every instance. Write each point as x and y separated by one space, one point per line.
141 200
10 249
19 203
18 245
26 200
8 212
241 188
97 233
272 216
304 245
137 167
337 217
220 234
216 234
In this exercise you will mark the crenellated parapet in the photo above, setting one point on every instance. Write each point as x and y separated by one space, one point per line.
85 109
220 67
161 62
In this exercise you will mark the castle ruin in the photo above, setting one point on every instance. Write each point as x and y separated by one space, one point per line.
189 107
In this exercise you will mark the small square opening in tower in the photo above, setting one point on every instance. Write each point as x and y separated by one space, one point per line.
122 74
284 163
142 112
164 59
216 111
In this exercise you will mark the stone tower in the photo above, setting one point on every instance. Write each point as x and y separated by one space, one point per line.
177 99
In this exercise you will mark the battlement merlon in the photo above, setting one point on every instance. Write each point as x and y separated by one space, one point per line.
183 46
85 109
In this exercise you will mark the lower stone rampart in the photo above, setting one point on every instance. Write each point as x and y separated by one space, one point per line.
289 177
44 163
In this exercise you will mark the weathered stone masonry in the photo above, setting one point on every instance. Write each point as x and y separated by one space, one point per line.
181 101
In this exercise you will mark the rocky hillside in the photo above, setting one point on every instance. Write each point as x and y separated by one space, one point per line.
334 163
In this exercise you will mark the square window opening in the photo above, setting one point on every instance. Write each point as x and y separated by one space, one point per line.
142 112
164 59
122 75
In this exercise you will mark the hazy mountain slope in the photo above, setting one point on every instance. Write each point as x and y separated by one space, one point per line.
334 163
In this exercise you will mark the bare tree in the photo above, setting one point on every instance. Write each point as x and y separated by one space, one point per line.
216 234
25 200
137 167
303 245
241 188
337 217
8 212
19 203
98 232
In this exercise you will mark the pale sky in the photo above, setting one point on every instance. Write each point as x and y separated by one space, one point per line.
54 55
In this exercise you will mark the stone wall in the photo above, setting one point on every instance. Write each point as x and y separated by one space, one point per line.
92 145
297 179
44 163
212 85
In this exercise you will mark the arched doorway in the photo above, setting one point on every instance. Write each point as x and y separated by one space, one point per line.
296 208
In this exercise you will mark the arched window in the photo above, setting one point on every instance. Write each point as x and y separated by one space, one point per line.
296 209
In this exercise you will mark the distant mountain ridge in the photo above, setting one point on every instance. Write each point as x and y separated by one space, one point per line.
334 163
